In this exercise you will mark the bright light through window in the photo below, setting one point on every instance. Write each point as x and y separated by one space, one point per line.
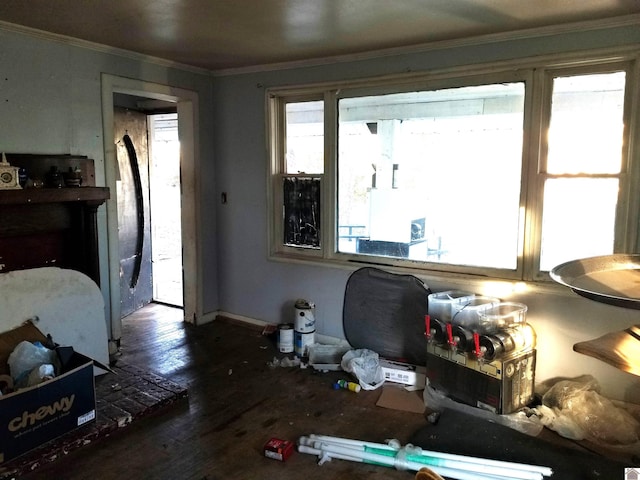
585 134
432 176
305 137
585 148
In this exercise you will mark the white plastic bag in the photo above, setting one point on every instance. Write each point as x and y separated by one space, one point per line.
40 374
365 365
27 356
576 410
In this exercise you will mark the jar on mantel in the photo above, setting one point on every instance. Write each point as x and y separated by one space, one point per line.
53 178
73 177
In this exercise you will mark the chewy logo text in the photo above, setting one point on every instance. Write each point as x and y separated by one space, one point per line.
62 405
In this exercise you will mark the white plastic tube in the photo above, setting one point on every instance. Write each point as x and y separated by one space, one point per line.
546 471
402 464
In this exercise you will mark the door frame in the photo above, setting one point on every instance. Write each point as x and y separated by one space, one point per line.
188 111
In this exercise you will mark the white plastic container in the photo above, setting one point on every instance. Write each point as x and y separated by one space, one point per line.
327 357
305 321
440 304
467 314
502 315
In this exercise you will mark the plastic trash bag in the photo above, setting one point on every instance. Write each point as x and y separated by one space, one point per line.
40 374
364 364
27 356
576 410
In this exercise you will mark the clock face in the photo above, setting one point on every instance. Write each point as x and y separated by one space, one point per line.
9 177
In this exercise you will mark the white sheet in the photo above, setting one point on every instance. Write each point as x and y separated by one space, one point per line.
68 305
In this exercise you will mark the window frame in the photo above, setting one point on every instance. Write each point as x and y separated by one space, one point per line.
623 236
538 77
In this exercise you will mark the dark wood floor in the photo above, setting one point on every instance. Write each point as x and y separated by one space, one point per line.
236 403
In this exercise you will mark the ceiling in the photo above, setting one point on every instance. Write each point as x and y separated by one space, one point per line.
229 34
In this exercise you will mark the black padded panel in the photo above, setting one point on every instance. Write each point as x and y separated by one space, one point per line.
384 312
463 434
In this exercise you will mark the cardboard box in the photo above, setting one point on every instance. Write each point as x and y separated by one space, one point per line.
35 415
404 373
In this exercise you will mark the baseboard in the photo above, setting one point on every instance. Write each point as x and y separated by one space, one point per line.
208 317
323 339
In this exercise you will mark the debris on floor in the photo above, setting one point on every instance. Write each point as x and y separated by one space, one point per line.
351 386
278 449
284 362
398 398
576 410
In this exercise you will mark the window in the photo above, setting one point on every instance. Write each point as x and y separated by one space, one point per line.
583 166
505 174
433 175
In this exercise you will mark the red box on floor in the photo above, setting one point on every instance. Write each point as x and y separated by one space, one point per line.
278 449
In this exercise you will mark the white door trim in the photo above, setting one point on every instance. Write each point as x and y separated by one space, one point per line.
188 111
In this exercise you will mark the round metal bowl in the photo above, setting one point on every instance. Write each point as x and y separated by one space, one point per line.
612 279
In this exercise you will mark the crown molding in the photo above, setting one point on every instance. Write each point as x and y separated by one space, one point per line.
547 31
99 47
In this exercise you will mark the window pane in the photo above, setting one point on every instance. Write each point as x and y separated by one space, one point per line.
578 219
301 212
432 175
585 134
305 137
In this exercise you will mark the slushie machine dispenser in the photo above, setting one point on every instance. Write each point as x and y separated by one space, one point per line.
480 351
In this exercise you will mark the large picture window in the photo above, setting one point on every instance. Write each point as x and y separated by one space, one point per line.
433 175
499 174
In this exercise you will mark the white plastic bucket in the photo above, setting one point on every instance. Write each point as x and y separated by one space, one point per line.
305 321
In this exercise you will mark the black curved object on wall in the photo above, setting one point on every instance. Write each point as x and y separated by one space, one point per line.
137 182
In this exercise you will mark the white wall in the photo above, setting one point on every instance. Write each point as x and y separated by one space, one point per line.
50 103
254 287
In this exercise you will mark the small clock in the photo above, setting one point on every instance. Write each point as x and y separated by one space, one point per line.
8 176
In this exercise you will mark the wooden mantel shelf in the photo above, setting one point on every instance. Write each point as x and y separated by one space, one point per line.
90 195
51 227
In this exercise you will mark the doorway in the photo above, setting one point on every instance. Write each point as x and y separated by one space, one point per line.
165 205
185 103
149 204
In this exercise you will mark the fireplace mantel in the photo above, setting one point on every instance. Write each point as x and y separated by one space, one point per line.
54 195
42 227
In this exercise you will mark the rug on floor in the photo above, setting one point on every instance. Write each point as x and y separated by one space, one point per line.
122 397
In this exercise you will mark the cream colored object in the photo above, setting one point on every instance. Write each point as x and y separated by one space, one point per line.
620 349
427 474
65 304
8 175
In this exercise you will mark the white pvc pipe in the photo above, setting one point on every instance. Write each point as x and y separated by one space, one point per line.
502 472
348 441
403 464
320 453
546 471
405 457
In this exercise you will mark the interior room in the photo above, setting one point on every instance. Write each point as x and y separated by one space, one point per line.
220 170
